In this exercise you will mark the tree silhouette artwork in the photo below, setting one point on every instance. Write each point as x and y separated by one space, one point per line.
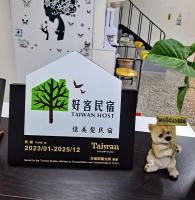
50 96
54 9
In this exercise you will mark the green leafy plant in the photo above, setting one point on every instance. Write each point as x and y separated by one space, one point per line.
173 54
50 96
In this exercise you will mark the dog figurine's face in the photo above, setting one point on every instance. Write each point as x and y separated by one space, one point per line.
161 134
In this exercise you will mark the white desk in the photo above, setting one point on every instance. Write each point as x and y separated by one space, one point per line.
142 126
141 123
5 110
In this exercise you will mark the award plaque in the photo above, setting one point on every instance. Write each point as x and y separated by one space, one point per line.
71 113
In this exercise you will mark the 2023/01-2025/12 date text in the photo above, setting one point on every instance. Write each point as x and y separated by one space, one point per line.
38 148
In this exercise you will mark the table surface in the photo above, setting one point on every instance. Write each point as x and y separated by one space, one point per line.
90 184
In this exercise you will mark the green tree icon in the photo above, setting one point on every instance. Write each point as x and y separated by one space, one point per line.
50 96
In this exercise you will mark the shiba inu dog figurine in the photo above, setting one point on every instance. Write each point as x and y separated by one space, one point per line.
163 152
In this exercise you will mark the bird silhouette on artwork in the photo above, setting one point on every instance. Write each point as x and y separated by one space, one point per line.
83 92
71 23
59 50
80 34
77 86
27 3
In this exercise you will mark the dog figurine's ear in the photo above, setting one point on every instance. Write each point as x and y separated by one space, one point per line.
150 127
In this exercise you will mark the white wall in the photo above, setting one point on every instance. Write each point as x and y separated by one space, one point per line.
7 69
105 58
158 11
99 24
7 66
102 57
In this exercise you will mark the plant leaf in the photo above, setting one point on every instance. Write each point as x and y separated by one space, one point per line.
171 53
192 49
192 64
182 93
